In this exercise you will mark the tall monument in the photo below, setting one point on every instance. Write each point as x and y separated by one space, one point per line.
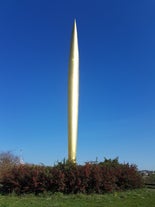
73 95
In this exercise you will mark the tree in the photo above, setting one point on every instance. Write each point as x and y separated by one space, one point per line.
8 159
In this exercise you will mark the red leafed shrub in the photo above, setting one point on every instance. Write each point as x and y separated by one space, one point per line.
107 176
128 177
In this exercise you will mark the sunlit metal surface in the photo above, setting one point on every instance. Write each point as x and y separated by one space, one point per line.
73 95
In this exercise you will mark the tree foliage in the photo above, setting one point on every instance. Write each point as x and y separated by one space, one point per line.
8 159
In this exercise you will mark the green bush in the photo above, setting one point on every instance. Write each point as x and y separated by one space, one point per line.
150 179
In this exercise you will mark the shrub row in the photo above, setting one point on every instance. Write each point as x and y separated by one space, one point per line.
68 178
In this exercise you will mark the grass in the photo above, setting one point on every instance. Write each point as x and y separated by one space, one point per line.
136 198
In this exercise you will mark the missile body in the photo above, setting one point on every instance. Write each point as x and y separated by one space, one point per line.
73 95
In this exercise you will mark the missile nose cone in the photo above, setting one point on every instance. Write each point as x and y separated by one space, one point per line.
75 27
74 21
74 51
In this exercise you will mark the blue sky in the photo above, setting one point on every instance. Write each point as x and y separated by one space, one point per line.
117 79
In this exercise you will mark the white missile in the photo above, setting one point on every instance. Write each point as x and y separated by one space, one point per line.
73 96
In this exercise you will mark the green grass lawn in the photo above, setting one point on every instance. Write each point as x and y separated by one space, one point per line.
136 198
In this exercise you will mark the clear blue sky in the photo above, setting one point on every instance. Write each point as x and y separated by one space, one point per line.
117 79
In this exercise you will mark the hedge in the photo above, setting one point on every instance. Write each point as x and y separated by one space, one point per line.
107 176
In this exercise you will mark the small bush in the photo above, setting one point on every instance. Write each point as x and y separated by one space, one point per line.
150 179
